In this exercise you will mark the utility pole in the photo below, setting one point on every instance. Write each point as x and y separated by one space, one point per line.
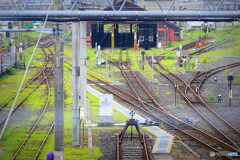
75 83
82 63
0 54
58 86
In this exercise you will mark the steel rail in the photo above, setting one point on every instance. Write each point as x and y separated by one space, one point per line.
20 103
172 125
118 148
219 141
212 72
28 83
145 147
152 113
190 103
42 113
52 125
44 141
186 46
207 48
139 82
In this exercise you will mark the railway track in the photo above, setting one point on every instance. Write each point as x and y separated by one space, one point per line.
177 126
42 77
131 149
203 105
49 129
209 47
186 46
131 146
218 123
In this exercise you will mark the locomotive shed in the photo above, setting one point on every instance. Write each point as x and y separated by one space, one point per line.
161 87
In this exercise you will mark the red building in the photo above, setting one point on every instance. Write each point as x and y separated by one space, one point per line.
168 31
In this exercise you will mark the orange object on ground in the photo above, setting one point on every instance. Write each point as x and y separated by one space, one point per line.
135 47
198 45
204 43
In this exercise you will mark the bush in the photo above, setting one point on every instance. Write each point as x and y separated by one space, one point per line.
191 29
170 56
11 71
204 60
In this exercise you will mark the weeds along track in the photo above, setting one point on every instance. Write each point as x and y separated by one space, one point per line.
33 42
209 47
43 77
42 40
49 128
204 49
35 78
186 46
223 129
185 131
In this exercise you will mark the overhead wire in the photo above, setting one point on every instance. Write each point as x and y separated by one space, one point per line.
25 74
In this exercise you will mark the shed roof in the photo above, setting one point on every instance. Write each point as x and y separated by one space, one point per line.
129 6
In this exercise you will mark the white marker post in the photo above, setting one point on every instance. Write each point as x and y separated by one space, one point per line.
105 110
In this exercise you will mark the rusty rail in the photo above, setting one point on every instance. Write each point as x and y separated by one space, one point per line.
189 102
46 75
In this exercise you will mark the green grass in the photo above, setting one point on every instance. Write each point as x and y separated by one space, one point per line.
12 82
34 102
194 34
37 55
168 93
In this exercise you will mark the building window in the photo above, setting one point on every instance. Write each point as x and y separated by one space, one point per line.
176 33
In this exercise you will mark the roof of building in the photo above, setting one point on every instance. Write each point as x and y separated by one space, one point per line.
174 26
117 1
129 6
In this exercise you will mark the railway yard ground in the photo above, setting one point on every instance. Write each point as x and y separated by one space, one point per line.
182 100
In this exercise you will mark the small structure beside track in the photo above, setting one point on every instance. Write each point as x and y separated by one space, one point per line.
162 145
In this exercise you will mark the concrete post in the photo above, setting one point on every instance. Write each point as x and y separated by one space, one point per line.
75 83
0 54
88 117
58 87
82 63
